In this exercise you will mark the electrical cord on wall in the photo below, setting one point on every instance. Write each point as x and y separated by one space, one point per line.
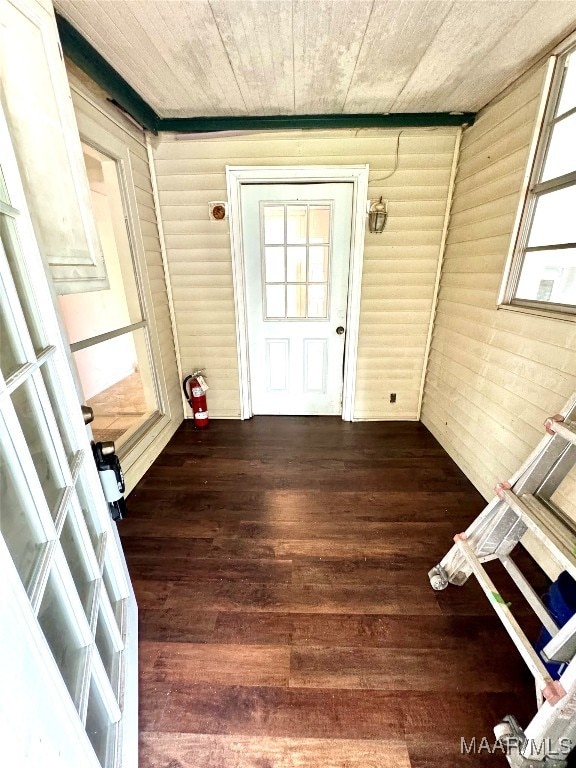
396 161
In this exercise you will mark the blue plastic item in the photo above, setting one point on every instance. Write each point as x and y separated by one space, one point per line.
560 599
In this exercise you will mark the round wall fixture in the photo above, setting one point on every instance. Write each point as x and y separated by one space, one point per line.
218 211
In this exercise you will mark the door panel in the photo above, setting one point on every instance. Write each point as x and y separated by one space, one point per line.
296 241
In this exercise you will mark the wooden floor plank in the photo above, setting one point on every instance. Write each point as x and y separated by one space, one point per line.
203 751
286 619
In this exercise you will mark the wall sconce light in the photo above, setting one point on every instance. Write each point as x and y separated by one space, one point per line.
377 215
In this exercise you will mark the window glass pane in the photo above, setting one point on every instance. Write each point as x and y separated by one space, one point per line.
11 352
274 264
296 263
554 220
117 383
39 441
549 276
568 94
58 625
318 264
319 224
32 313
98 725
74 550
54 388
273 224
275 301
296 223
19 524
561 157
90 313
296 301
317 300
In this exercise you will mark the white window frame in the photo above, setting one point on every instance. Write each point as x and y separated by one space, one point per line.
532 189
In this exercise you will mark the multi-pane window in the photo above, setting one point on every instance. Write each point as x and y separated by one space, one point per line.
543 271
296 240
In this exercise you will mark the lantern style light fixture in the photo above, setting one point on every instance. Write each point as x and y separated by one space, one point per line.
377 215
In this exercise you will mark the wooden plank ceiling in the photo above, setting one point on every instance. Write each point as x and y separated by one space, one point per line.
269 57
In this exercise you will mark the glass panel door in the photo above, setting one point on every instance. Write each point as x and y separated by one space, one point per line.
54 519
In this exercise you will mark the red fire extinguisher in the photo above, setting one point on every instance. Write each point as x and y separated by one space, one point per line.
195 392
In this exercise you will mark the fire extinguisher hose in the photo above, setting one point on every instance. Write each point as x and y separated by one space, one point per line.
185 388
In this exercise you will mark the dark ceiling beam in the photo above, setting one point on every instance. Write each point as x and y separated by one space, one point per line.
287 122
90 61
93 64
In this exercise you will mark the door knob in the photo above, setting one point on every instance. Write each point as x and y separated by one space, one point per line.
87 414
340 330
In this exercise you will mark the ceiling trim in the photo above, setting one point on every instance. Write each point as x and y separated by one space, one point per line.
85 56
340 120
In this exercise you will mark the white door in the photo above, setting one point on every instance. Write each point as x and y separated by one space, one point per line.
296 240
68 695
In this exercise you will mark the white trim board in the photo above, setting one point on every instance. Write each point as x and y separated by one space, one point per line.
236 176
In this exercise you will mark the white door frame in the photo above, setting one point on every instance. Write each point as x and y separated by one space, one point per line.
236 176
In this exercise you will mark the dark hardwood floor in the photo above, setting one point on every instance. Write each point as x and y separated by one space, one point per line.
286 619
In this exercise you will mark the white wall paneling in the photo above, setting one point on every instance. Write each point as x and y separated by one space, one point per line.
493 374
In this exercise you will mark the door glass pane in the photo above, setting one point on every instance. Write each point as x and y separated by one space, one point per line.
58 624
116 593
549 276
32 313
98 724
19 523
274 264
319 224
54 388
561 156
317 304
296 301
89 512
109 653
117 383
11 352
554 221
39 441
318 264
75 553
273 224
296 264
275 301
568 96
296 224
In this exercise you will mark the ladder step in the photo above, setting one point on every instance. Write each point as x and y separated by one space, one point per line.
560 542
564 429
562 646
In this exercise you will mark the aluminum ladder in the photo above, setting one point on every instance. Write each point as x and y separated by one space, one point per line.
522 504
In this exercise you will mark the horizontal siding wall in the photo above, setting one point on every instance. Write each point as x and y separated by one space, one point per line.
399 265
493 375
91 104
